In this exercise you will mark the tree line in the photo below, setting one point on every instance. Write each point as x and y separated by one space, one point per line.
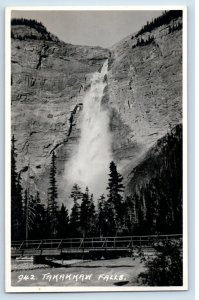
38 26
175 27
31 23
165 18
155 206
30 219
30 36
143 42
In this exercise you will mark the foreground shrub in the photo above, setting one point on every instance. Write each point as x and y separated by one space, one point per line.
165 269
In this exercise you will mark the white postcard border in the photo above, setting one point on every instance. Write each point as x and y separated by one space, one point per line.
8 287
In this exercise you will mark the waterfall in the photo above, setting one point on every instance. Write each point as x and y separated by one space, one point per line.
90 164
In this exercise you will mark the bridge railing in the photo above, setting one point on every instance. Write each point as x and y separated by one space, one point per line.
94 242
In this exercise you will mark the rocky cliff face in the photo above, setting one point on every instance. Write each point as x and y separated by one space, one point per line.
49 80
145 91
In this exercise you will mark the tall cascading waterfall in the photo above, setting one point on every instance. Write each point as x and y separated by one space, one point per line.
90 165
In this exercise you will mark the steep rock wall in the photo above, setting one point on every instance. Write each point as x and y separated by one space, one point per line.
49 80
145 92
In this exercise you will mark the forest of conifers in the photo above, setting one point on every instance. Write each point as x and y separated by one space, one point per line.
153 207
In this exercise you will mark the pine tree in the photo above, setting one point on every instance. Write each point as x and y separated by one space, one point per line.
111 225
116 188
105 218
92 218
76 193
101 222
26 213
17 229
75 220
140 213
29 214
52 198
76 196
63 221
88 214
84 213
39 218
129 215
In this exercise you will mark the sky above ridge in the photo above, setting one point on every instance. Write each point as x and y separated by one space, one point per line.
93 28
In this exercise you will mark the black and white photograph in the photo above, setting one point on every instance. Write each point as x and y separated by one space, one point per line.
96 125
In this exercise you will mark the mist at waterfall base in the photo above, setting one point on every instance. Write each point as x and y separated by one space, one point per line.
89 166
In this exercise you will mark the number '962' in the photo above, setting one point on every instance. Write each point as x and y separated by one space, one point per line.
25 277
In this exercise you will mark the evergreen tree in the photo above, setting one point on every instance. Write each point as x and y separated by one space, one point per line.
17 228
150 212
101 221
63 222
76 196
75 220
111 222
84 213
26 214
130 215
52 198
87 214
116 188
38 226
105 219
30 214
92 218
76 193
140 215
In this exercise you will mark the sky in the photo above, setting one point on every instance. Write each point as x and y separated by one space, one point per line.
93 28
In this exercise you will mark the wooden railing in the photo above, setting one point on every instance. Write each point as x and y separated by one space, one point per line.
119 242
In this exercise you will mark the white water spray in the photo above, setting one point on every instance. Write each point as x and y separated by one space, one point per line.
90 165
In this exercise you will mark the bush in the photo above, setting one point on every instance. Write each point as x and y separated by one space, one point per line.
166 268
